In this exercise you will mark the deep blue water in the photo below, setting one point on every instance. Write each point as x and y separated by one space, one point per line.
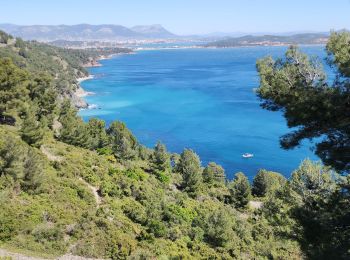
201 99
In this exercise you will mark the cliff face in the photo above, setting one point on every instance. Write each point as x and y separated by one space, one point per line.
77 98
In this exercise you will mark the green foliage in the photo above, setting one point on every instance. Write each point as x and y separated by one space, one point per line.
73 130
297 86
267 182
44 96
124 143
4 37
97 131
32 131
190 168
13 87
136 174
320 197
161 158
219 228
214 174
338 48
240 190
20 163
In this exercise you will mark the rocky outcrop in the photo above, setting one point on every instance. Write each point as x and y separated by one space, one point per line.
77 100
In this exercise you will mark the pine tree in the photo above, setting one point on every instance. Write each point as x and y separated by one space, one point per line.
11 158
73 130
190 168
123 149
161 158
124 143
313 106
13 87
97 131
214 174
31 130
240 190
266 182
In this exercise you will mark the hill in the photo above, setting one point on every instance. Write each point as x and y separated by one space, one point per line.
270 40
64 66
154 31
86 32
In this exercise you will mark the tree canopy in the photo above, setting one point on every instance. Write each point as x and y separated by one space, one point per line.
297 85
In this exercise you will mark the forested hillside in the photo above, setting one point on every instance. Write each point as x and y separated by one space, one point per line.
64 66
68 186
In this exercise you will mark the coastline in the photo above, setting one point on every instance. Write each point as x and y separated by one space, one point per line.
80 93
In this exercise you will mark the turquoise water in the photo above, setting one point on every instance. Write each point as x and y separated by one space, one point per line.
201 99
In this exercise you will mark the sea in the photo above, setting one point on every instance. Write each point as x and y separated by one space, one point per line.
201 99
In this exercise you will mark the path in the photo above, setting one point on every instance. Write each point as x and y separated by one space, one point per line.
94 190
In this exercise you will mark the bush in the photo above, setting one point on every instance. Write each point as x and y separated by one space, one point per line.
266 182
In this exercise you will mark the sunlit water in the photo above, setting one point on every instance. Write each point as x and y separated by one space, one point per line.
201 99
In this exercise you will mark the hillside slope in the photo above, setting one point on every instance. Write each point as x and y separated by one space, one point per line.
64 66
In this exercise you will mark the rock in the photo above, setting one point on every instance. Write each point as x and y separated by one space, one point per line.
77 98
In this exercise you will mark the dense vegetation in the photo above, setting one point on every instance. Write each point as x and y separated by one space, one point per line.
64 66
95 191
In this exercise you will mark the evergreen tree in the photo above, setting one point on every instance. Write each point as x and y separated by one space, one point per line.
161 158
214 174
240 190
265 182
11 159
321 202
73 130
190 168
32 131
33 168
124 143
23 164
123 149
13 87
43 94
219 228
97 132
312 106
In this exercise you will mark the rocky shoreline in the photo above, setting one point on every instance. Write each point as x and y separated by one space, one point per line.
77 97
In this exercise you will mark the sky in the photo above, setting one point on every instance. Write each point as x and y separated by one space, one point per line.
185 17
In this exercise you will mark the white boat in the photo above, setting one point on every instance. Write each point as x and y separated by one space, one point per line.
247 155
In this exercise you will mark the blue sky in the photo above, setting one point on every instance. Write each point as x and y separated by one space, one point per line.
186 16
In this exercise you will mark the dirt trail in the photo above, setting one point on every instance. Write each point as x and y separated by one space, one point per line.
94 190
49 155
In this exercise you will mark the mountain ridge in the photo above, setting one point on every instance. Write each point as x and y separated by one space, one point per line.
273 40
86 32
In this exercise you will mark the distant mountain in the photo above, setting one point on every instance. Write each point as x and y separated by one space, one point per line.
250 40
86 32
156 31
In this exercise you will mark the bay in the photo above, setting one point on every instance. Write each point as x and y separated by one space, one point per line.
201 99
